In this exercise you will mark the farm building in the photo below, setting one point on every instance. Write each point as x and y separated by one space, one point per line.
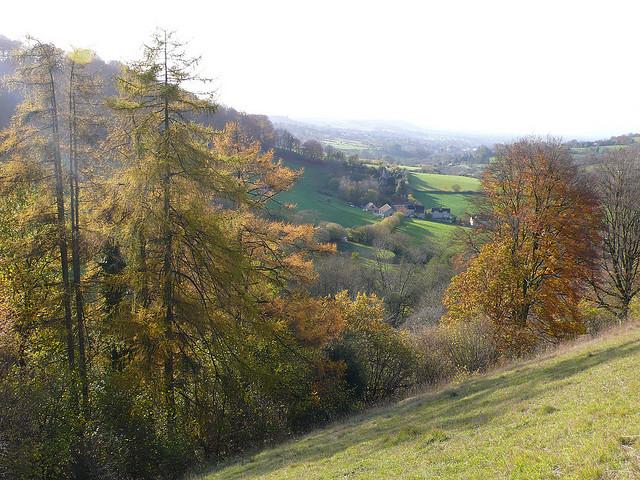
385 211
443 214
411 210
370 207
403 208
418 211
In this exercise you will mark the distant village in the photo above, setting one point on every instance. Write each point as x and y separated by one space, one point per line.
411 210
416 210
395 181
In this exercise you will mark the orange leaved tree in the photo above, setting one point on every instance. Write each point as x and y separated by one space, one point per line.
533 270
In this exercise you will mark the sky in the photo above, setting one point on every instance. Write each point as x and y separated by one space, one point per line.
519 67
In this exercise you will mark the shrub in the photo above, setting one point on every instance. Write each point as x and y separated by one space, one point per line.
379 354
330 232
449 350
472 346
368 234
36 427
597 319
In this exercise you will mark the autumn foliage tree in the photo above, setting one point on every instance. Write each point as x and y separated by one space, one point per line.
530 275
191 338
312 150
38 204
202 259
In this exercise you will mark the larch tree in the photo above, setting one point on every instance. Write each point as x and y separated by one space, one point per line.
203 260
165 159
39 202
36 131
82 92
541 250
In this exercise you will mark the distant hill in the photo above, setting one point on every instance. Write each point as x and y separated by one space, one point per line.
573 415
398 128
394 141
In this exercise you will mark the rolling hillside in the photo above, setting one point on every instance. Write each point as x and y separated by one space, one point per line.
572 415
450 191
433 182
314 204
318 206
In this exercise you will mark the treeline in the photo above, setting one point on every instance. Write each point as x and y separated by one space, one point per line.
349 178
254 127
379 232
627 139
360 184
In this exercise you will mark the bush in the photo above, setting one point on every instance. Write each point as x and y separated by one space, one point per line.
36 427
597 319
331 396
368 234
354 373
472 346
330 232
450 350
381 358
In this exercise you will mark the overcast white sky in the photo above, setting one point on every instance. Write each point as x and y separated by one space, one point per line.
565 67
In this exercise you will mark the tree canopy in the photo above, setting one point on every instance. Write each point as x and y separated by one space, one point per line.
531 274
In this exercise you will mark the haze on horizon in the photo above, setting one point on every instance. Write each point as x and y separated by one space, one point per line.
493 67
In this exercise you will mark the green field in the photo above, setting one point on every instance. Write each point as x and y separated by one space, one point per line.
435 232
599 149
315 206
575 415
344 144
367 254
459 203
443 183
411 168
420 231
448 191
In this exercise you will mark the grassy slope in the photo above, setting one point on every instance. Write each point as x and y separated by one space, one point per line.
433 190
575 415
434 181
459 203
435 232
316 207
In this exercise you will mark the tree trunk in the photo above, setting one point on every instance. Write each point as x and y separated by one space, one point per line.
168 268
60 222
75 242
